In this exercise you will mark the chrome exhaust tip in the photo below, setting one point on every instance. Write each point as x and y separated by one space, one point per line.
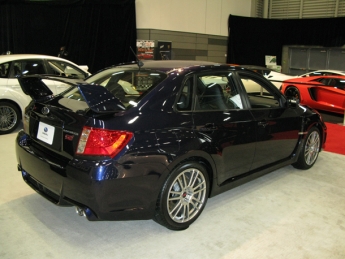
80 211
86 212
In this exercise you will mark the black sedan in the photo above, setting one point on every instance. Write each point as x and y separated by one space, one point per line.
156 140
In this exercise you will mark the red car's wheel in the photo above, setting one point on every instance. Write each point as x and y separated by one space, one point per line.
293 92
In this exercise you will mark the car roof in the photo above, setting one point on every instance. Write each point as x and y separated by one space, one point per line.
168 65
12 57
255 67
171 63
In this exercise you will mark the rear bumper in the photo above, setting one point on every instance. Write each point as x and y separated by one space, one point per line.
105 190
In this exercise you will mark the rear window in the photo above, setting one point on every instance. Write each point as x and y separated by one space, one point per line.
126 85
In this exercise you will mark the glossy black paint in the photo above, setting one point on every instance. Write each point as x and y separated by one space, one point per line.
235 145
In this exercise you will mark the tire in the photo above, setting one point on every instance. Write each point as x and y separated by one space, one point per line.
310 150
293 92
9 117
183 196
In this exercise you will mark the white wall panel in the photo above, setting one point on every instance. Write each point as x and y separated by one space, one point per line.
213 17
198 16
145 11
234 7
187 16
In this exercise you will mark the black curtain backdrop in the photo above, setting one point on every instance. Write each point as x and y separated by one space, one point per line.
251 39
97 33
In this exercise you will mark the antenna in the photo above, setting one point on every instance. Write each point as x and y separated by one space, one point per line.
140 63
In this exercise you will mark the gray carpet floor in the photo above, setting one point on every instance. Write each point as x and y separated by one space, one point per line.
286 214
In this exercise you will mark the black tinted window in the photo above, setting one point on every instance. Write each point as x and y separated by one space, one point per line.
340 84
28 67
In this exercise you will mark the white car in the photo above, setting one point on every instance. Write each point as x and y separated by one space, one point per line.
275 77
12 99
325 72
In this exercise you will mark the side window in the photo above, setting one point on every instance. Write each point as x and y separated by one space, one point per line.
64 69
340 84
260 95
4 70
26 67
324 81
332 82
217 91
29 67
17 69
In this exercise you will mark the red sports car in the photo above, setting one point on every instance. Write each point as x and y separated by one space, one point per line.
319 92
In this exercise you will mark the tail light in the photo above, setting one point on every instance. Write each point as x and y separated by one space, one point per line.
101 142
26 123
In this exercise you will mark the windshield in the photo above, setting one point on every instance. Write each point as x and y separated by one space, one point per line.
127 85
58 67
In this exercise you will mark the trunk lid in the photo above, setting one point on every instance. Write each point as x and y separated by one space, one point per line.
35 87
56 122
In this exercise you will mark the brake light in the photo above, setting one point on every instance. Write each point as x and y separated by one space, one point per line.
26 123
101 142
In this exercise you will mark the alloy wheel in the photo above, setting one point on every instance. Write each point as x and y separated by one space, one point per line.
187 195
312 146
8 118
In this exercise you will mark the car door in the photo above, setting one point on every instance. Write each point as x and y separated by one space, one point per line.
225 130
276 125
332 94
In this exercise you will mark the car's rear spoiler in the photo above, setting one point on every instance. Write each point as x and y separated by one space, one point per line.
98 98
